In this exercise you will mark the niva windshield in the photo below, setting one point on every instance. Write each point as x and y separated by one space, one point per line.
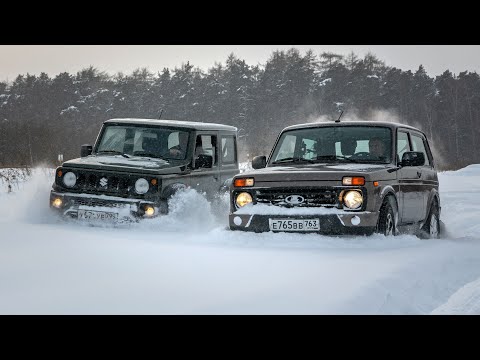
155 142
356 144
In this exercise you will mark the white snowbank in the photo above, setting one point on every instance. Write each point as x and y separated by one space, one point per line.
189 263
466 301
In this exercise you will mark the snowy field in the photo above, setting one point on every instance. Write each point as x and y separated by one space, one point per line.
189 263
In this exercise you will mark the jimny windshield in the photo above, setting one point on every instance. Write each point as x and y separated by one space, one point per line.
147 141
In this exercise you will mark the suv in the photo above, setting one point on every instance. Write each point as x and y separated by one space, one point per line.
136 165
354 177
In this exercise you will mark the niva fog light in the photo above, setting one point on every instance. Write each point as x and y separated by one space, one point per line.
243 199
141 186
353 199
69 179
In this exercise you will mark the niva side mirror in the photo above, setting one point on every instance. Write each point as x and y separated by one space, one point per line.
259 162
413 158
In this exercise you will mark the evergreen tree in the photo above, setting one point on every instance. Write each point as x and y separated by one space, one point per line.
41 117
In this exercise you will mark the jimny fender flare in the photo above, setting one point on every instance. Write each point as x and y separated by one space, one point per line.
171 189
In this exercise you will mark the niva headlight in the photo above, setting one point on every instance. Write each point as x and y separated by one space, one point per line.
243 199
353 199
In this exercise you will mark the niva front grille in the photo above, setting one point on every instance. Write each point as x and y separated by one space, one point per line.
303 197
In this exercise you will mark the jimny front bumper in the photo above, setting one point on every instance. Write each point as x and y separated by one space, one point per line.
103 207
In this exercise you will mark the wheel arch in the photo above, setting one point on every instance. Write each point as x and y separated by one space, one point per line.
432 197
389 192
173 188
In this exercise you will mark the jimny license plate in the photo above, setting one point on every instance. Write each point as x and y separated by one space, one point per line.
294 225
96 215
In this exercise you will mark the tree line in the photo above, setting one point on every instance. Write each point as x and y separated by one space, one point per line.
41 117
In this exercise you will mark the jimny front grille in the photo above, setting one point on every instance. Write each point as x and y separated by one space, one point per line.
101 183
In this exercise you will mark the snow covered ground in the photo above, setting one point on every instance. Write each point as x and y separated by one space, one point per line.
189 263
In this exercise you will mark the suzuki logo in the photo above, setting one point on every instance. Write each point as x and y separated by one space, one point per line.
294 199
103 182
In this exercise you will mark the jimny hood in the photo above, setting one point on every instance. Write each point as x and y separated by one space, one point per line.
120 163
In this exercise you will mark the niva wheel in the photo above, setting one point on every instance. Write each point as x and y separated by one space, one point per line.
431 229
386 220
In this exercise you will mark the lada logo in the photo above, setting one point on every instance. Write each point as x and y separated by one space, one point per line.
103 182
294 199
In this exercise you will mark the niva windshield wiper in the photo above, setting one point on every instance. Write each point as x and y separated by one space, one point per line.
113 152
290 159
336 157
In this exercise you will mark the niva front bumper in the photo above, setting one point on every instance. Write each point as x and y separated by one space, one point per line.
337 222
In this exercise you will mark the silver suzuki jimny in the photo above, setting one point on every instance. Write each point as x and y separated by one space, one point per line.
136 165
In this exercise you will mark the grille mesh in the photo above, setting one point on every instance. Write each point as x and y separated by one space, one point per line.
96 182
315 197
98 202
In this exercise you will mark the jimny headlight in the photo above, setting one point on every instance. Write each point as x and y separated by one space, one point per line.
243 199
69 179
141 186
353 199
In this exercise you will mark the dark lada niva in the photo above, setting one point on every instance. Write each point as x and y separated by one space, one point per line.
136 165
354 177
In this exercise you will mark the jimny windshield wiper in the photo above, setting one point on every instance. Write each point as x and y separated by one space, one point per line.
113 152
148 154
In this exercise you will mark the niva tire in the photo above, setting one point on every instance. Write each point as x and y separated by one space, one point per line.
432 228
386 220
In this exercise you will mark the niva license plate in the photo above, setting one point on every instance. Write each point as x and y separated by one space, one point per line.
294 225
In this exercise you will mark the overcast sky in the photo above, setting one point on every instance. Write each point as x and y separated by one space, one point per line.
54 59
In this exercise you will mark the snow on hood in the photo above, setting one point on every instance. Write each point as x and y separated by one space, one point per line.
137 161
322 167
134 161
356 167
